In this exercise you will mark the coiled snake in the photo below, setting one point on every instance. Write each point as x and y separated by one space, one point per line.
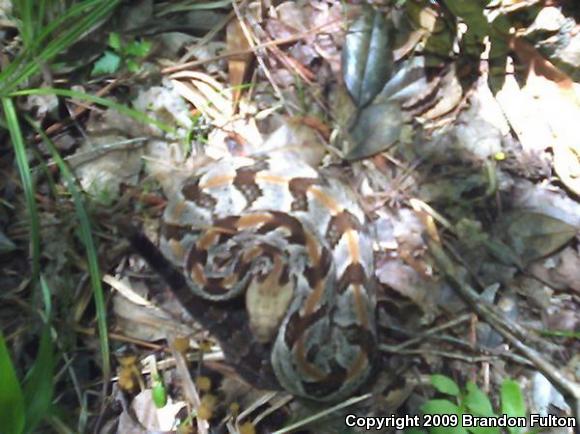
277 263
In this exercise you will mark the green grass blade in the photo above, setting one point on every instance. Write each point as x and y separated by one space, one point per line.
135 114
41 14
87 239
27 185
77 29
11 399
46 298
23 10
29 62
91 8
38 386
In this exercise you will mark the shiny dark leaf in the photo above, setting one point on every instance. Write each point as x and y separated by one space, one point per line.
367 58
376 128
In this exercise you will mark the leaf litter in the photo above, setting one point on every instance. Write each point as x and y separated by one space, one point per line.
494 156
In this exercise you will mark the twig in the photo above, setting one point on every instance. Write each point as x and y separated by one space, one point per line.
283 41
257 51
512 332
446 354
430 332
188 386
79 111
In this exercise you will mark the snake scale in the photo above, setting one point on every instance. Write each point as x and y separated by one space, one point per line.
273 257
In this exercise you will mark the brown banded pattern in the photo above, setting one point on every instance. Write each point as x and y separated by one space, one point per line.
292 244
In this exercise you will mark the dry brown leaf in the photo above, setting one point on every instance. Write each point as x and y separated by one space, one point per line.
537 63
532 235
206 94
545 112
561 271
298 139
407 282
238 65
146 324
543 199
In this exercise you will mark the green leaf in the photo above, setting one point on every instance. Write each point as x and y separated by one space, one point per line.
108 63
28 186
91 252
38 384
503 253
479 404
376 128
53 39
483 430
367 58
476 401
138 49
445 385
132 66
11 399
414 431
512 401
46 297
115 42
158 392
443 406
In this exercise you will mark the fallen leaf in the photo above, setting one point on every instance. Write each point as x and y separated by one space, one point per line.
206 94
409 283
238 65
298 140
149 417
532 235
541 198
562 271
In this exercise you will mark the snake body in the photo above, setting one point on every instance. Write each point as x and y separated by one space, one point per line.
289 243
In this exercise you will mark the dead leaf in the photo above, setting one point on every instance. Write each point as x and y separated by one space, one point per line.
532 235
149 417
543 199
104 162
567 165
561 271
407 282
543 111
538 64
238 65
145 324
298 140
206 94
